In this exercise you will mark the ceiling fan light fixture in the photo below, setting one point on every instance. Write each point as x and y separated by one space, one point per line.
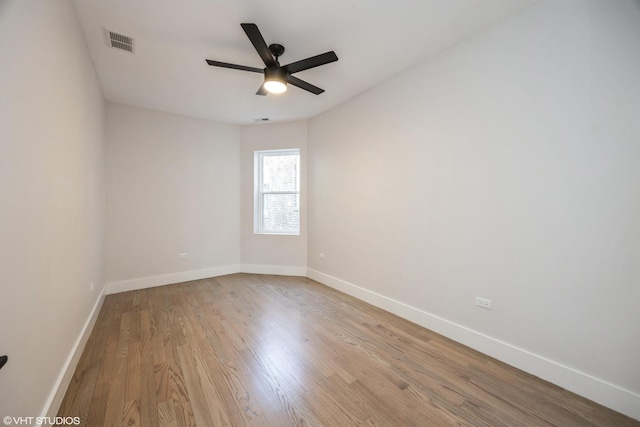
275 86
275 80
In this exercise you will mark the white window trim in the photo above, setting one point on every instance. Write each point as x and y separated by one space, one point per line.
259 192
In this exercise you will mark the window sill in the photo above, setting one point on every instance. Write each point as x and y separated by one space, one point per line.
275 234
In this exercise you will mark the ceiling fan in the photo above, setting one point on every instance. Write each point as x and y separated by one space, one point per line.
277 76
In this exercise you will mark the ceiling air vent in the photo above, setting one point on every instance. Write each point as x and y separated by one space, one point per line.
119 41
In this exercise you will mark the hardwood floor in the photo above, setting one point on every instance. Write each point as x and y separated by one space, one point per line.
250 350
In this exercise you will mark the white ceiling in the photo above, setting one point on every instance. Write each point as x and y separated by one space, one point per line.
374 40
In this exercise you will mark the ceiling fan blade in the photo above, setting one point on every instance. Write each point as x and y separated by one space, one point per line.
262 91
258 42
314 61
234 66
304 85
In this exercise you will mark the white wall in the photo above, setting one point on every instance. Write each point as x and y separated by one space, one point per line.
507 167
173 186
51 199
282 254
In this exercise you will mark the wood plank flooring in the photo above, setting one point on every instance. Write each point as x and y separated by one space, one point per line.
251 350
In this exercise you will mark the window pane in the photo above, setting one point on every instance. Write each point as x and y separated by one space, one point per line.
280 173
281 213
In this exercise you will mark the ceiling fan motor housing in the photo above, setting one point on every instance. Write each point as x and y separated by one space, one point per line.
275 73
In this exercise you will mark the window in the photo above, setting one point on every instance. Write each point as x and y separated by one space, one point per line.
277 191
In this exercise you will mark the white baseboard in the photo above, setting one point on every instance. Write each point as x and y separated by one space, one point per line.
185 276
281 270
583 384
168 279
64 378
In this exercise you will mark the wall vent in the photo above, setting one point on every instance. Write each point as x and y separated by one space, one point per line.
119 41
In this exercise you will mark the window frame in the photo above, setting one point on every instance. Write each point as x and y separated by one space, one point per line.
259 192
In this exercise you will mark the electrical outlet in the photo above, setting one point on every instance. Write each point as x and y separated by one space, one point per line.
182 255
484 303
321 256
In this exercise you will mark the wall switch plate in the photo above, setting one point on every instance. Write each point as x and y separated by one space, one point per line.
321 256
182 255
91 287
484 303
